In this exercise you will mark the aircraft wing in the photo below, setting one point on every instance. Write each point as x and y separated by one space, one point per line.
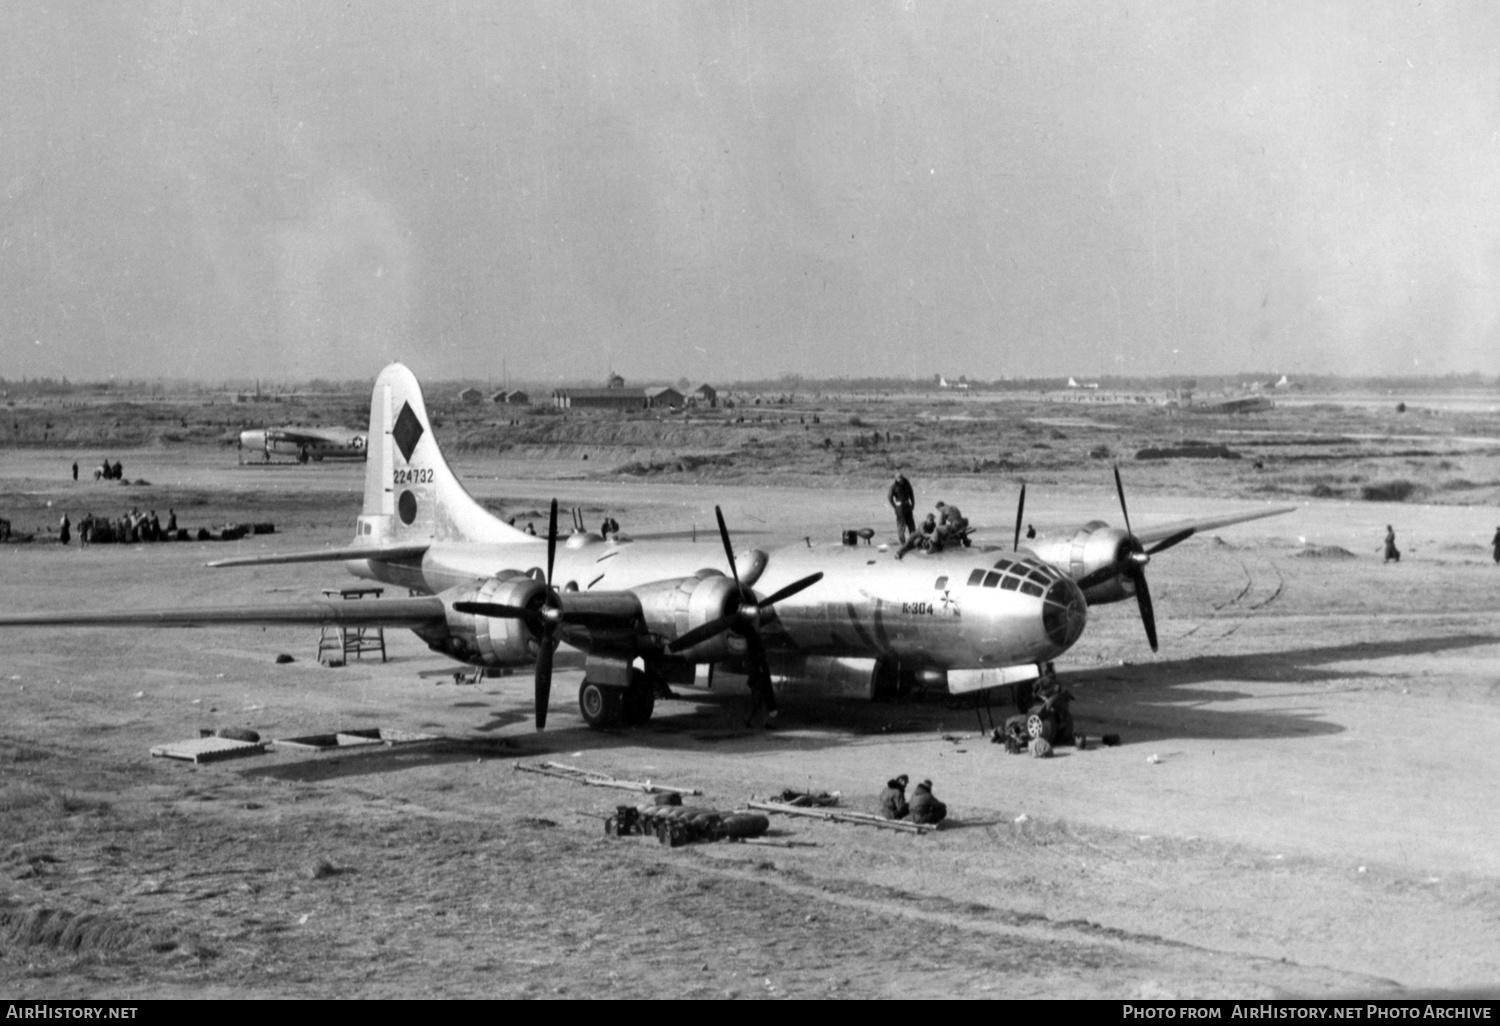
1187 528
389 552
404 612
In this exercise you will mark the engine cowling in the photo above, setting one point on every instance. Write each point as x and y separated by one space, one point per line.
1093 547
673 608
486 640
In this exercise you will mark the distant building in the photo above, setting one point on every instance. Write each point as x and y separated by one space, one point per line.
620 398
614 381
665 397
470 395
510 397
704 394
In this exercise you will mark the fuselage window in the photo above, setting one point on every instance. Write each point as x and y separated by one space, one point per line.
975 578
991 579
942 582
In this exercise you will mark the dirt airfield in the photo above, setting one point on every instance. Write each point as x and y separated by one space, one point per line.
1304 802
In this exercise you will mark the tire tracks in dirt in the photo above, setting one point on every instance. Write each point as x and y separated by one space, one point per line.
1188 964
1241 600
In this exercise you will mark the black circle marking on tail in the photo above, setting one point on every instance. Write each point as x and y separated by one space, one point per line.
407 507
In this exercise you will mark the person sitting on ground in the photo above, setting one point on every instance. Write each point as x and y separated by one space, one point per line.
925 807
893 798
925 537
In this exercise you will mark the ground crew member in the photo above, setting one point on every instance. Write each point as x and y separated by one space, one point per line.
925 538
172 522
66 534
893 798
953 528
1496 546
925 807
902 500
75 470
1391 552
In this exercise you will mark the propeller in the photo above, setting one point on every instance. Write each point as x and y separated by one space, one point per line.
744 618
1020 511
1130 561
544 622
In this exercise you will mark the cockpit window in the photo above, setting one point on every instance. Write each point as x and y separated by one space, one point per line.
975 578
991 579
1032 589
1010 584
1004 564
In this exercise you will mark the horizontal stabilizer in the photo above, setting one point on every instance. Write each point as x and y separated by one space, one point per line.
406 612
388 552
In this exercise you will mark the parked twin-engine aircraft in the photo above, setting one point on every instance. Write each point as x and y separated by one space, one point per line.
304 443
646 613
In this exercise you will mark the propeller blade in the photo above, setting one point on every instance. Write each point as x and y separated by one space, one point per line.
544 681
495 609
1120 488
792 589
551 548
702 633
1148 615
728 549
1099 576
1168 542
1020 510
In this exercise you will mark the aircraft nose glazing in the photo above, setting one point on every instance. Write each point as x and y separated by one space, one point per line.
1064 613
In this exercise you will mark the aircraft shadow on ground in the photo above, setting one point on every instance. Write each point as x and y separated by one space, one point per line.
1160 698
1151 701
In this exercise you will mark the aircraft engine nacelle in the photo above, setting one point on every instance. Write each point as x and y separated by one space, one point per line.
1094 546
488 640
673 608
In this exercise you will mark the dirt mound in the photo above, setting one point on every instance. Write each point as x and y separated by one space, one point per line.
55 928
1325 552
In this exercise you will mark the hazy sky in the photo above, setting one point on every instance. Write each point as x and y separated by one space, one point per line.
722 190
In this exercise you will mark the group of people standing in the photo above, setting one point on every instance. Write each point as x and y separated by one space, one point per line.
946 525
134 526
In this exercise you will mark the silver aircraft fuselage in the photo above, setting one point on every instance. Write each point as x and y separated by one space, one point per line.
956 609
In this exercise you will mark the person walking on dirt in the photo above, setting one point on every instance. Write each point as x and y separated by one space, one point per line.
75 471
1392 554
925 807
893 798
903 500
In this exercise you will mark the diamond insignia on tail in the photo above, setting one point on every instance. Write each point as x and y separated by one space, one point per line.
407 432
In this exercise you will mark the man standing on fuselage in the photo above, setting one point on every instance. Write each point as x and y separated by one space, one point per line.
903 500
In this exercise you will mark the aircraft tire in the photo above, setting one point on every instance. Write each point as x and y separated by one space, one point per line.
1039 725
600 704
639 700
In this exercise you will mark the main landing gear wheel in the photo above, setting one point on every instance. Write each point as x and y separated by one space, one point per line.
601 705
639 700
1039 726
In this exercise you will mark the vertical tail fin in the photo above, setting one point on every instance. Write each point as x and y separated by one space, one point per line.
411 495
